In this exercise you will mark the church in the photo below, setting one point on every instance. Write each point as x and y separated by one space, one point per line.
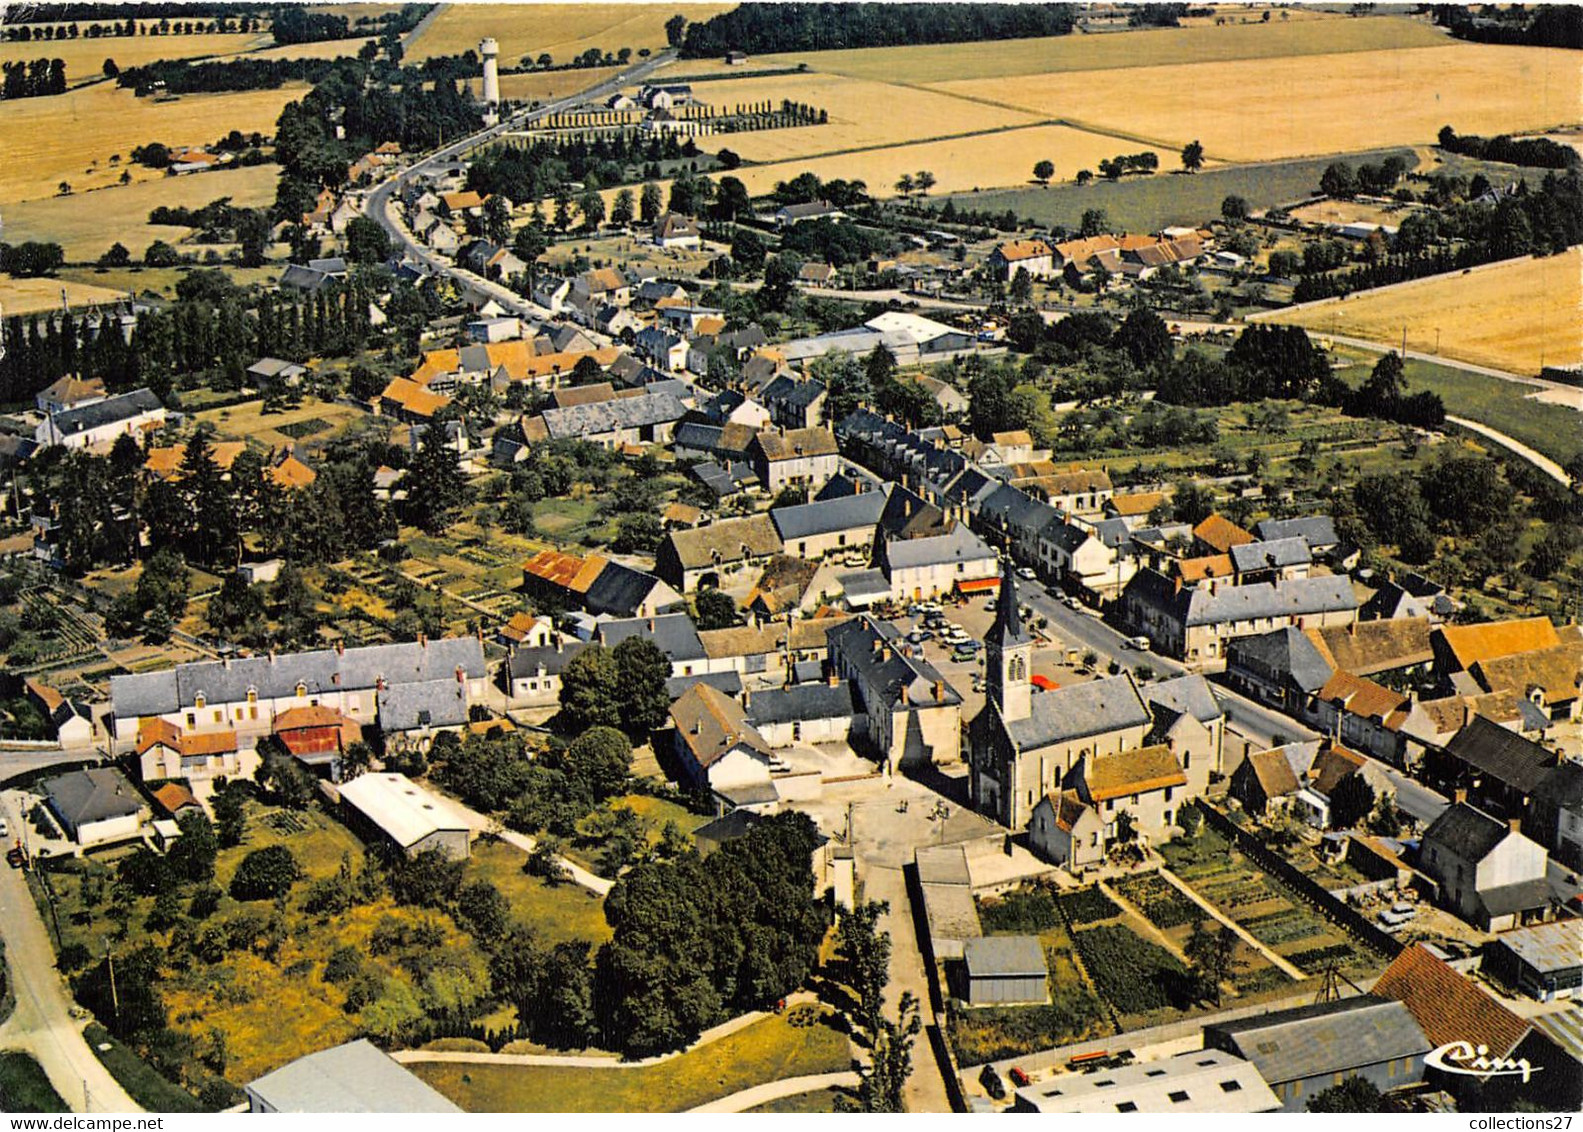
1117 745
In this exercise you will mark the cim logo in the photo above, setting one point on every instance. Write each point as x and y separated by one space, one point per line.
1474 1061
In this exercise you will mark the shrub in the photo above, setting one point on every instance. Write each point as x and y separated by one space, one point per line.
265 874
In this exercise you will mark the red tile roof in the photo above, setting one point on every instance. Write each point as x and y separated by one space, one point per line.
1447 1006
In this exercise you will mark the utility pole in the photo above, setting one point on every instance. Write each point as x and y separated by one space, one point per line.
115 999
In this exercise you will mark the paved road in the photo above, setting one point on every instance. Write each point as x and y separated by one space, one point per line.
376 203
483 823
42 1023
13 763
775 1090
1546 465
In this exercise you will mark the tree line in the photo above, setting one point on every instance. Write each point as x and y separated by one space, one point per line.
187 76
1543 25
1539 153
33 79
1542 221
774 27
535 169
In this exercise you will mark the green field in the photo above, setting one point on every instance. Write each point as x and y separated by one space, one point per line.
948 62
1148 204
24 1088
1554 430
556 913
769 1050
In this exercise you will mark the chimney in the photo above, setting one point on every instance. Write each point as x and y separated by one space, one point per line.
225 661
335 678
1459 796
340 648
379 684
1516 825
461 674
747 699
272 655
939 691
651 624
423 640
884 652
835 680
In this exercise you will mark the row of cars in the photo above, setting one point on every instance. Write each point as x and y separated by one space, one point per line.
933 625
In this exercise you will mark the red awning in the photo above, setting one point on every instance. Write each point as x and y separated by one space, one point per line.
978 585
1044 683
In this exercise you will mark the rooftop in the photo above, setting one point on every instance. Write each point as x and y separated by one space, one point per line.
356 1077
404 810
1005 957
1327 1038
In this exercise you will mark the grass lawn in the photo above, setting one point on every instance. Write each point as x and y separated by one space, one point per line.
23 1086
555 913
140 1080
1148 204
769 1050
819 1100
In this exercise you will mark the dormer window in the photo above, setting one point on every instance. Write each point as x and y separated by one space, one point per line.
302 689
199 700
252 695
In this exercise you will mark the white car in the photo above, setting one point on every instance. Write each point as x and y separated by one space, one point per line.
1027 573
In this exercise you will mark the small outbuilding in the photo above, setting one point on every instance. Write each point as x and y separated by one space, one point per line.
1543 962
355 1077
1002 970
95 805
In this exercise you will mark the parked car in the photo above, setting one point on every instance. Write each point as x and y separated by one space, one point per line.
1018 1077
1026 573
1139 643
919 636
962 654
15 858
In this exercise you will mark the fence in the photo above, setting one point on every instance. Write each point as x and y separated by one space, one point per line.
1347 919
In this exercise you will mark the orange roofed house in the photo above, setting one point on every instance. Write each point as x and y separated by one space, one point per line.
317 736
1033 256
165 751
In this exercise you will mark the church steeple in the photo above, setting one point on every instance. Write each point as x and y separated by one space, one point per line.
1009 659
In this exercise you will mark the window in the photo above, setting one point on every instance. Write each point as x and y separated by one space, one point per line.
219 715
1126 1106
1178 1097
192 719
198 701
1232 1086
302 689
1168 791
1103 1084
1155 1073
252 711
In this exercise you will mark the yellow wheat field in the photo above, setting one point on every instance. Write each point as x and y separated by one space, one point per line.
325 49
84 58
563 30
86 224
25 296
1252 110
959 165
71 137
862 113
947 62
1513 316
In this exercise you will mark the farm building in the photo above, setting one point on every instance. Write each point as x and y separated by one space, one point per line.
1001 970
95 805
395 808
1489 873
355 1077
1304 1051
1202 1080
1543 962
100 422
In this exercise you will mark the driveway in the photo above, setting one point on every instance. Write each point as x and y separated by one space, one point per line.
42 1023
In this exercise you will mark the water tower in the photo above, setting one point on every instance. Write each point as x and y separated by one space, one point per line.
490 52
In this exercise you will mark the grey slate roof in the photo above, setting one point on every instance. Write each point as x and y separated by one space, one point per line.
850 480
1291 598
803 701
829 516
1523 896
860 584
1465 831
1287 650
526 662
1272 554
111 410
578 421
697 436
673 633
93 794
1004 957
957 545
619 590
792 393
1315 530
355 1077
1319 1040
1077 710
904 681
1503 755
428 703
728 682
160 693
1185 695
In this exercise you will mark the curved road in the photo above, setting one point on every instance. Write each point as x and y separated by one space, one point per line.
1546 465
376 203
42 1023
